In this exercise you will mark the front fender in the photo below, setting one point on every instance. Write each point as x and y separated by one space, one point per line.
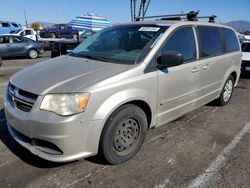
120 98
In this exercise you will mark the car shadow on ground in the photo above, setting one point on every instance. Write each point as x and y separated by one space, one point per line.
245 75
19 57
20 151
98 159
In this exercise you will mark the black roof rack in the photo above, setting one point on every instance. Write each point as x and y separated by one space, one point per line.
172 18
191 16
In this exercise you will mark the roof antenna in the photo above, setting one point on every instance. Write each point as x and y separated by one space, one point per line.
26 22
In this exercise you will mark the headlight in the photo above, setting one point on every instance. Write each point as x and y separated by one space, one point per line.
65 104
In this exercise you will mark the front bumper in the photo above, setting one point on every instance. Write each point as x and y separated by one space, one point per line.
71 135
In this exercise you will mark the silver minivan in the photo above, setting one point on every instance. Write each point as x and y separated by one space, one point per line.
104 96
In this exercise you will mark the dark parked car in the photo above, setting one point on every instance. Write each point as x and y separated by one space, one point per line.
12 46
65 46
59 31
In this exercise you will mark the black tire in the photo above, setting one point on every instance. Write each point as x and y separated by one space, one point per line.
54 54
223 100
1 62
52 35
33 53
123 134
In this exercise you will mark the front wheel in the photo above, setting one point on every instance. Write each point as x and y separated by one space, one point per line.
227 91
123 134
33 54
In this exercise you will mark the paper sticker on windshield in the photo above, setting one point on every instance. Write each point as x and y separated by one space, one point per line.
152 29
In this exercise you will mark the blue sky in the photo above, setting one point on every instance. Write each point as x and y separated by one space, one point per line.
60 11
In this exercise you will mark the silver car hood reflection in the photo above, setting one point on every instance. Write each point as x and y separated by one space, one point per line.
65 74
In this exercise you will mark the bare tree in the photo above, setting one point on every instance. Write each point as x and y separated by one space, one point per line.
36 26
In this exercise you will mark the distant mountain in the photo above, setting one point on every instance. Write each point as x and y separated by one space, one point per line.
240 25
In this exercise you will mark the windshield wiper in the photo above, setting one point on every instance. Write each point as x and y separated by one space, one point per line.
93 57
73 54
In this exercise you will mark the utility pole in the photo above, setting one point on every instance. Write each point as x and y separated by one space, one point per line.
144 4
26 22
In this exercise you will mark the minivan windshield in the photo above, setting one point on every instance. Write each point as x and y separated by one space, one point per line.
245 47
119 44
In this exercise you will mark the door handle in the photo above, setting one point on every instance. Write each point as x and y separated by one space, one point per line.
195 69
205 67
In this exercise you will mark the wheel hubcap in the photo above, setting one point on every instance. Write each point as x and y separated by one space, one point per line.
127 134
33 54
228 90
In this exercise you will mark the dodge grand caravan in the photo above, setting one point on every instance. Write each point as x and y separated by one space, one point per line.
118 83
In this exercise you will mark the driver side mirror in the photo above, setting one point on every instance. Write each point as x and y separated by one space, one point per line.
169 59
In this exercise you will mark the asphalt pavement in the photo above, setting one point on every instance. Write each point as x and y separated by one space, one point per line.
209 147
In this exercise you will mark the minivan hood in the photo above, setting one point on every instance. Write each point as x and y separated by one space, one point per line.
64 74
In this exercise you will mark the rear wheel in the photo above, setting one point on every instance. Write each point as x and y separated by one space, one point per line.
227 91
52 35
123 134
33 54
75 36
1 62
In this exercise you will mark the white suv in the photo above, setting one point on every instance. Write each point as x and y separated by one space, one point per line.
28 33
245 46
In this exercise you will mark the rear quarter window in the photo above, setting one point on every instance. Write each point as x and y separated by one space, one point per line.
210 41
28 32
230 40
17 39
5 25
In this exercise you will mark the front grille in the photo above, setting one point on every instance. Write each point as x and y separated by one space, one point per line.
21 99
245 62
